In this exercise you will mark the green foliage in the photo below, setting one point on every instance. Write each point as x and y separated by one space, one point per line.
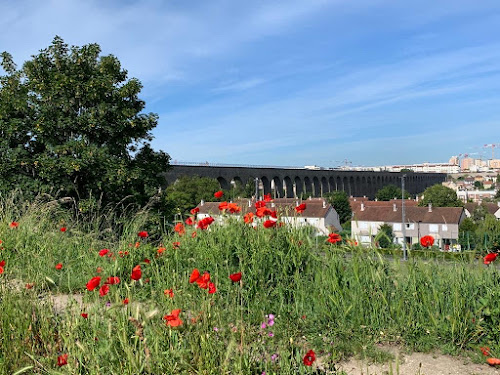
340 202
440 196
186 193
389 192
71 122
384 236
478 185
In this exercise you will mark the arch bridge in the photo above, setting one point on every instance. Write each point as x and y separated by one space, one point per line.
293 182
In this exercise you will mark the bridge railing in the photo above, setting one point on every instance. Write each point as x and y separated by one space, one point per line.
207 164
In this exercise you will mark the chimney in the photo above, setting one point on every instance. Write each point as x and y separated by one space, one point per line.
202 202
416 198
272 204
394 207
362 206
430 207
249 203
296 203
324 204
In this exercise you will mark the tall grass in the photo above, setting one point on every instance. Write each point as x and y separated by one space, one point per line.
337 301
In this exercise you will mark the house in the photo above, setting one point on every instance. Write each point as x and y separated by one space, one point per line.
491 208
318 212
439 222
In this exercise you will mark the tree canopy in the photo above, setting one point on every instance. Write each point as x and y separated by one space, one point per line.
71 121
389 192
340 202
440 196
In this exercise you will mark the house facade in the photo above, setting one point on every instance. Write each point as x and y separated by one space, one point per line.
442 223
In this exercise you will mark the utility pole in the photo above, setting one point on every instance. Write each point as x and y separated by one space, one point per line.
256 188
403 215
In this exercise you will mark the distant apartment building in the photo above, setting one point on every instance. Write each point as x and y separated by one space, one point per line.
454 160
475 195
425 168
494 163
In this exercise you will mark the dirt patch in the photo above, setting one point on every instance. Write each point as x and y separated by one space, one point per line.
417 364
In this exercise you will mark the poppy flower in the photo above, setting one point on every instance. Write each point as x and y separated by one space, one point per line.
203 280
173 320
179 228
93 283
99 269
211 288
300 208
218 194
485 350
112 280
309 358
146 260
2 263
161 249
137 244
260 204
263 211
14 224
267 198
58 266
103 290
189 221
235 277
193 235
103 252
194 276
223 206
142 234
195 210
204 223
490 258
63 229
125 301
84 315
1 270
248 218
233 208
169 292
30 285
136 273
493 361
334 238
176 244
427 241
269 223
62 360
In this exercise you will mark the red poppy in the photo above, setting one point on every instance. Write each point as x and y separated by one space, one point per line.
104 290
189 221
2 263
62 360
309 358
203 280
112 280
84 315
334 238
173 320
218 194
248 218
194 276
427 241
103 252
146 260
137 244
493 361
1 270
485 350
195 210
30 285
58 266
204 223
300 208
490 258
169 292
63 229
223 206
260 204
93 283
176 244
211 288
269 223
235 277
142 234
14 224
136 273
193 235
99 269
263 211
179 228
161 249
125 301
267 198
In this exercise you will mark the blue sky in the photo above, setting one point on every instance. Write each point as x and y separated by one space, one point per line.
295 82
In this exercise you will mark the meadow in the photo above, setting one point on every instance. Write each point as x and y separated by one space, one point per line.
74 301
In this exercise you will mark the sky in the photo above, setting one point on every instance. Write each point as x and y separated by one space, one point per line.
296 82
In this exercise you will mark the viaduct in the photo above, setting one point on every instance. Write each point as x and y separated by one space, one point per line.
292 182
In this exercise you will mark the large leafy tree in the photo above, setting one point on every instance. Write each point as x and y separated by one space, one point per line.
340 202
71 121
389 192
440 196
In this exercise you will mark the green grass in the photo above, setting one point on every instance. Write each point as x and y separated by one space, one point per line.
322 299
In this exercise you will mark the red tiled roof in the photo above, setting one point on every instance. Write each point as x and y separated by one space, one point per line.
450 215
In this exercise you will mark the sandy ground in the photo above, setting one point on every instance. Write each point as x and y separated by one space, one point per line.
418 364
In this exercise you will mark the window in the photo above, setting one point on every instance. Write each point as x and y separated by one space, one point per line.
433 228
396 226
444 228
410 226
363 225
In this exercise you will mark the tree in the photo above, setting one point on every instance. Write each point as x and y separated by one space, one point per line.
340 202
71 121
186 193
384 237
440 196
389 192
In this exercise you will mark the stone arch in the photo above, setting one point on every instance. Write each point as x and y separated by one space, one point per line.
368 186
316 187
345 185
288 187
278 187
339 185
331 182
351 185
224 185
266 185
325 189
299 186
357 189
308 185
